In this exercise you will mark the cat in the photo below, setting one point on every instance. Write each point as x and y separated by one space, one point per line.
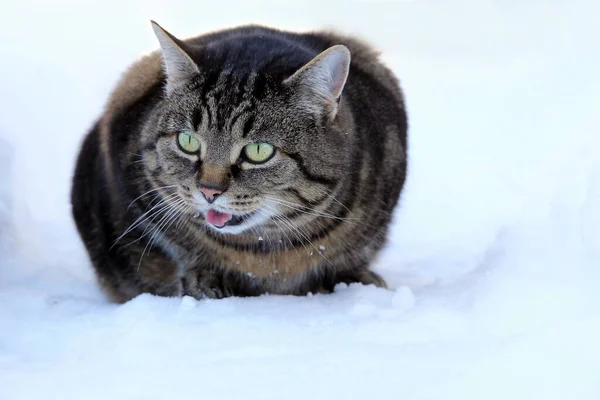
243 162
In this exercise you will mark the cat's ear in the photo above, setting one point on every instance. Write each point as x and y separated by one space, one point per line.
179 66
320 82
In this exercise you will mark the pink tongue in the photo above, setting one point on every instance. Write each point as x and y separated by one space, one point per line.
217 218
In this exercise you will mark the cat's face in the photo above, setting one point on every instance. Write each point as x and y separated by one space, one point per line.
264 161
238 157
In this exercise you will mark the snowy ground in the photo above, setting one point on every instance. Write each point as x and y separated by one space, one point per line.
493 261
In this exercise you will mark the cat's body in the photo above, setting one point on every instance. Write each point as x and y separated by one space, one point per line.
314 213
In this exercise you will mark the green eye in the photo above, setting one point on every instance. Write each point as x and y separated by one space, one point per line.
259 152
187 143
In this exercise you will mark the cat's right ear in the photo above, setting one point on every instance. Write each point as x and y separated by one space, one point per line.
179 66
320 82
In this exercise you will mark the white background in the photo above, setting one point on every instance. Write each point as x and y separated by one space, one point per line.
494 256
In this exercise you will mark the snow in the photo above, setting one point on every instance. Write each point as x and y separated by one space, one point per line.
493 258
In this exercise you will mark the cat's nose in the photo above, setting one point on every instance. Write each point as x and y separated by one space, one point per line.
210 193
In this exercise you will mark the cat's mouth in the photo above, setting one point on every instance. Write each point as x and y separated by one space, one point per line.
220 219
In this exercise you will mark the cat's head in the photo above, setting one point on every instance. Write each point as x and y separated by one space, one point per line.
244 138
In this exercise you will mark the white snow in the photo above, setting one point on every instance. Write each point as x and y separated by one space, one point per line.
493 261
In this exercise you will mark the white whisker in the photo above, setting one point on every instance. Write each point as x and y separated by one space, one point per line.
285 220
158 227
142 218
148 192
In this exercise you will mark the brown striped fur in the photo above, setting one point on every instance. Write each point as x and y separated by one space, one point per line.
316 214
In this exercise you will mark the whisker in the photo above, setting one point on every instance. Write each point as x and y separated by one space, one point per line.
290 224
145 216
301 208
331 196
292 206
150 227
135 162
279 218
181 219
167 223
294 231
281 229
157 229
148 192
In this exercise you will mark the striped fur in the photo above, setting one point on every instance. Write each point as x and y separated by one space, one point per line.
319 210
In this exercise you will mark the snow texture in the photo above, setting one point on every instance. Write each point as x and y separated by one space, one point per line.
493 260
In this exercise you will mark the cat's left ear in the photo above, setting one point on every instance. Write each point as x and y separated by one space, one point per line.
179 66
320 82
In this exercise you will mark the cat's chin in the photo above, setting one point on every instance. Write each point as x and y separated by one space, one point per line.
225 222
232 229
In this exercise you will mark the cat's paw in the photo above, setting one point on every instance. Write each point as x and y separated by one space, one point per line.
364 276
205 285
372 278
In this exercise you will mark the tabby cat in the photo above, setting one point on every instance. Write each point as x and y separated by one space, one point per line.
242 162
